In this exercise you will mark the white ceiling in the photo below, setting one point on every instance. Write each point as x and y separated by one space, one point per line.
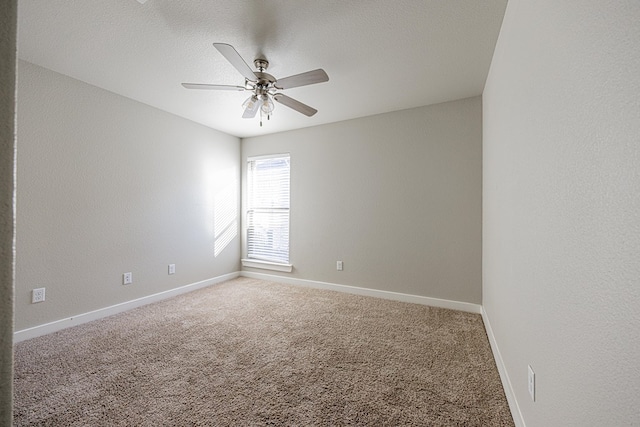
380 55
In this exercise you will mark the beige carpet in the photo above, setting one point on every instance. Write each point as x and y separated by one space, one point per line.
249 352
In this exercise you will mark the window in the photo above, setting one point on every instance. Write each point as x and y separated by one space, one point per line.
268 209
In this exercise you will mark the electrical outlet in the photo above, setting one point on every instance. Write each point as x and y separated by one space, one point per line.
37 295
339 265
127 278
531 382
172 269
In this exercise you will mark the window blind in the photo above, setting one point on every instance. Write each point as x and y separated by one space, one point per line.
268 180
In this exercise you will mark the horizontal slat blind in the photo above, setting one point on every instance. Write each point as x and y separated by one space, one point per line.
268 208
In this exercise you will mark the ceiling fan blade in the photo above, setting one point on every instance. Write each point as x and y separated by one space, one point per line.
211 87
294 104
303 79
236 60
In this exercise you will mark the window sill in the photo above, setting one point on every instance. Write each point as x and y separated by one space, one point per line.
267 265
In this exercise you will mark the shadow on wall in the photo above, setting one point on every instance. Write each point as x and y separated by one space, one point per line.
225 211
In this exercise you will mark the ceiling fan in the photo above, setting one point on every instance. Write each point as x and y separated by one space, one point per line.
263 86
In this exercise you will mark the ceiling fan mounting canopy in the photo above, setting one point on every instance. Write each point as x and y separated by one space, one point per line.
261 63
263 85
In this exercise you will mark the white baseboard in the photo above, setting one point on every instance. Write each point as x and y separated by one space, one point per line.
396 296
58 325
504 377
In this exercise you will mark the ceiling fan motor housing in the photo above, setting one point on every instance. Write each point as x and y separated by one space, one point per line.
264 79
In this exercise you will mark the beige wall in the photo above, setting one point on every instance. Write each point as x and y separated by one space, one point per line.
107 185
396 197
8 13
561 222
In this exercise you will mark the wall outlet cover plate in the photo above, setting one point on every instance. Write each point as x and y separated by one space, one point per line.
127 278
37 295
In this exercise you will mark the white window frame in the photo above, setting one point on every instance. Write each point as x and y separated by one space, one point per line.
264 262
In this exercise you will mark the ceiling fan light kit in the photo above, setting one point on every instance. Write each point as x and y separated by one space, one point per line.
263 85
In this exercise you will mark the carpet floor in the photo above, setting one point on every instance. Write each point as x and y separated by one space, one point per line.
253 353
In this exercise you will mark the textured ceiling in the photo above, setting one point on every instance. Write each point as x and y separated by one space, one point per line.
380 55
